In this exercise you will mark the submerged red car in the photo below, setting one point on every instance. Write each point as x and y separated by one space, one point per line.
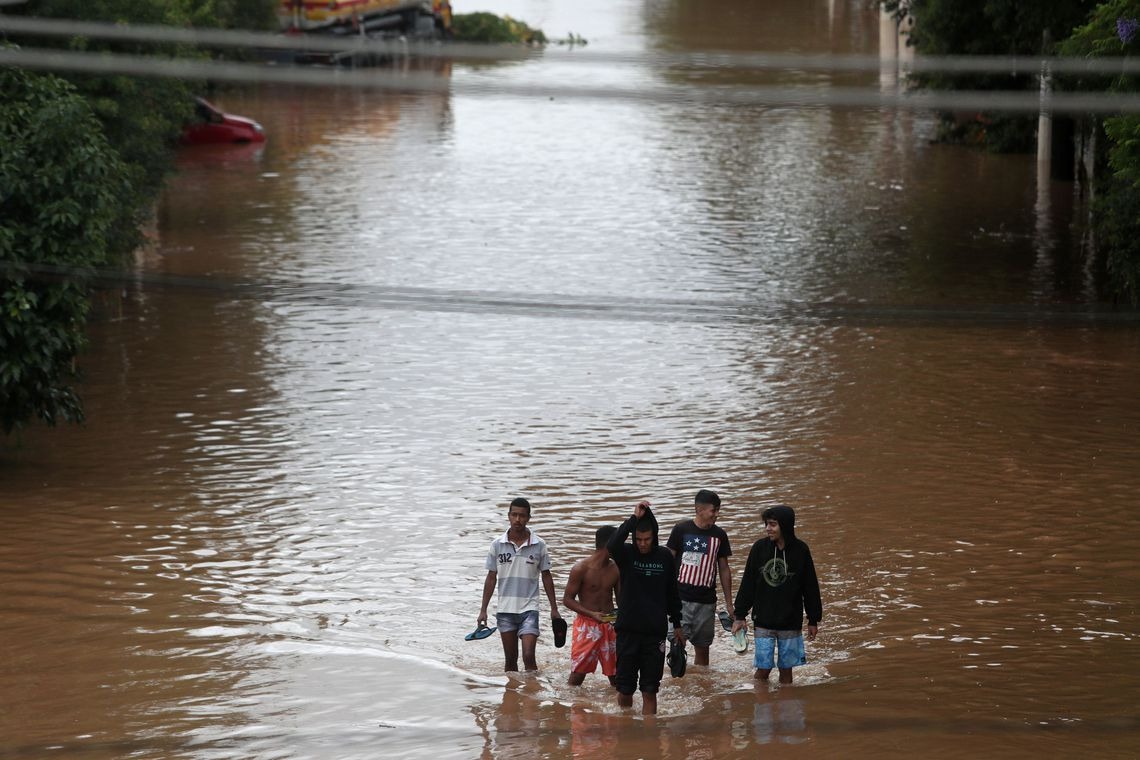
211 125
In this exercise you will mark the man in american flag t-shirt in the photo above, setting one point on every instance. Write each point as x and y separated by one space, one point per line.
702 550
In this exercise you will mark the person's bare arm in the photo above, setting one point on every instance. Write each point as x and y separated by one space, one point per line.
488 590
725 581
548 586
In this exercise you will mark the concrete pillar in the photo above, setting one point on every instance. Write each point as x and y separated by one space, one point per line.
906 51
1045 122
888 35
888 51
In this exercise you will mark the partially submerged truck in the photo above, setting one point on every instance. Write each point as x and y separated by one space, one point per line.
407 18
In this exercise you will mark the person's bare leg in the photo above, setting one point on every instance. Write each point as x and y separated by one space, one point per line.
576 679
510 650
625 700
529 643
785 675
648 703
701 656
763 673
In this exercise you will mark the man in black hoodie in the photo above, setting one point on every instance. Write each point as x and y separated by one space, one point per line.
649 601
779 586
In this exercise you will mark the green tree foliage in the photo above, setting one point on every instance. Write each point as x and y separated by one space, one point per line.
258 15
80 166
1113 29
218 14
60 216
143 117
487 27
990 27
1116 220
994 27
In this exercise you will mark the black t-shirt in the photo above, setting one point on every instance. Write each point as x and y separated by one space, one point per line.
698 556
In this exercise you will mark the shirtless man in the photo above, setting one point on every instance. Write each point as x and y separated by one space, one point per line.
590 592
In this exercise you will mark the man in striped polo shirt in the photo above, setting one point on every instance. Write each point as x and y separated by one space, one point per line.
702 550
515 562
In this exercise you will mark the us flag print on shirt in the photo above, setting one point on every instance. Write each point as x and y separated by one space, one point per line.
698 560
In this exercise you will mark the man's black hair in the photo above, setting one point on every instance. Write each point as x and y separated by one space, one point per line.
704 496
521 502
646 525
786 517
602 536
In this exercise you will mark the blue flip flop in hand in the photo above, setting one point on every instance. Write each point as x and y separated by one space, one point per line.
481 632
740 641
725 621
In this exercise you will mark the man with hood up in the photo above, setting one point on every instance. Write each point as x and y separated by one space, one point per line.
779 586
648 602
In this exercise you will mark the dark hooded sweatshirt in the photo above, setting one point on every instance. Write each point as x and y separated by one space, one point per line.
649 596
778 598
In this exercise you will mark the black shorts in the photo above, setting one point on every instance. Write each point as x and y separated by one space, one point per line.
640 658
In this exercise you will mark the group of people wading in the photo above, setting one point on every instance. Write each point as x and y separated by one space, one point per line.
655 586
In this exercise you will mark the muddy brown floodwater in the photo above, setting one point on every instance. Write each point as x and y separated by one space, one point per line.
353 345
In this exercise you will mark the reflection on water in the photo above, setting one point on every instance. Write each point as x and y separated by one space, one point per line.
779 719
352 346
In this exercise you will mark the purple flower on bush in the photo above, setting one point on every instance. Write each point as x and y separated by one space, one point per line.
1126 29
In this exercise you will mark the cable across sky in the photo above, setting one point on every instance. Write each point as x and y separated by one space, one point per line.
800 96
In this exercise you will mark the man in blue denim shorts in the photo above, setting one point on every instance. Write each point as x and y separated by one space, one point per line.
515 563
779 586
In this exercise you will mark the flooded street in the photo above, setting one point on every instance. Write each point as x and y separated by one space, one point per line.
352 346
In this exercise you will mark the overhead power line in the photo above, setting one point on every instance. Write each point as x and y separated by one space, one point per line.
382 79
589 307
700 60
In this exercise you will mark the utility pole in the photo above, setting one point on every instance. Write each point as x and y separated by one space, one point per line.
1045 115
